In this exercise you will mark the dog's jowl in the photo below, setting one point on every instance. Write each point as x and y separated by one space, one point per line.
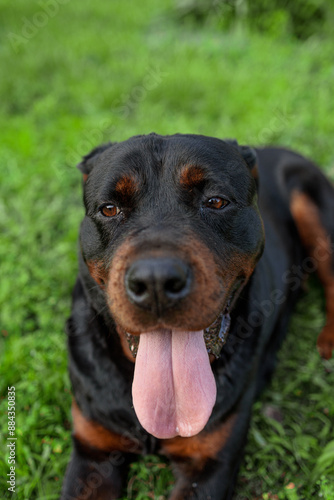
183 297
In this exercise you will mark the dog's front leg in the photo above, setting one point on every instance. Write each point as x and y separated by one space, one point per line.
93 475
207 464
100 458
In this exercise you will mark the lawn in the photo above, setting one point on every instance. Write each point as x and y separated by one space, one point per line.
74 74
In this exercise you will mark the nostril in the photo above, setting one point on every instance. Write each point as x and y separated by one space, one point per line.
138 283
175 285
138 287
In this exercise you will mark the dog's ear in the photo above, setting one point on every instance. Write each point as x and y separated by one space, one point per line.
248 154
87 163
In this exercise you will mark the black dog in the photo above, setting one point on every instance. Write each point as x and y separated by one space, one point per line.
170 271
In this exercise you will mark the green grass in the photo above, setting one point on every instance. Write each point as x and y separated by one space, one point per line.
105 71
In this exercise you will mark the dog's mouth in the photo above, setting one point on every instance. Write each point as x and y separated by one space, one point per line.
215 335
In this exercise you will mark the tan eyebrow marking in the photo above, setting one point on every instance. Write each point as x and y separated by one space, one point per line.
126 186
191 176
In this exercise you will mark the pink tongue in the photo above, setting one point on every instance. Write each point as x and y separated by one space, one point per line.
174 389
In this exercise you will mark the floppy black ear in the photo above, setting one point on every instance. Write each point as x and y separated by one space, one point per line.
87 163
248 154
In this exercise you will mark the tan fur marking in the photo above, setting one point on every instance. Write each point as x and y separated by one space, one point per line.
96 271
191 176
201 447
126 186
93 434
255 172
317 242
198 310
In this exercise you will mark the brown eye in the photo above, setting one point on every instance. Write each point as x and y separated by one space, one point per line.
216 203
109 210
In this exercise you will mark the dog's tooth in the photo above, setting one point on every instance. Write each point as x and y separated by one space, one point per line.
133 342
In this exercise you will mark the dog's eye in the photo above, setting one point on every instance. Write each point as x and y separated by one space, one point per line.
216 203
109 210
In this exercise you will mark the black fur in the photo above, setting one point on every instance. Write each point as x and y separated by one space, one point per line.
161 212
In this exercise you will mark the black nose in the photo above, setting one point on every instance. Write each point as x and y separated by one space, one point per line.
157 284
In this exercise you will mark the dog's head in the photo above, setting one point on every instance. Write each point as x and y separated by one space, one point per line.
171 234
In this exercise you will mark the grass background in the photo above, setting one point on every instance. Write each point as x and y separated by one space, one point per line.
90 72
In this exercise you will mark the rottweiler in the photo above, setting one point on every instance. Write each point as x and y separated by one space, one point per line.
193 253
